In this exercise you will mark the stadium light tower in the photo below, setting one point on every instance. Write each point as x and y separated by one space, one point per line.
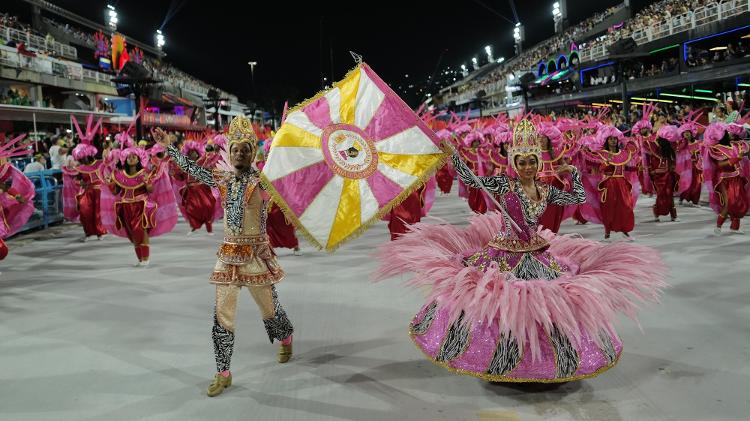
488 50
159 39
519 35
475 63
464 70
110 17
252 65
559 15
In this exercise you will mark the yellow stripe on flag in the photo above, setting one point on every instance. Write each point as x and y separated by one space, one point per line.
415 165
290 135
349 88
349 214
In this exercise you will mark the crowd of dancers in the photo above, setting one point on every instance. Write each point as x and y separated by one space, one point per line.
670 162
130 190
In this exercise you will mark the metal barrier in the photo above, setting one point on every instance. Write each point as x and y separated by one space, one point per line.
38 43
709 13
48 205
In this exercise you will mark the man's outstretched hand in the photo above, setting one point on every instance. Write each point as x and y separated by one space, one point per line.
163 138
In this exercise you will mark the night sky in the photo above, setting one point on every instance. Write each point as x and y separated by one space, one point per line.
214 41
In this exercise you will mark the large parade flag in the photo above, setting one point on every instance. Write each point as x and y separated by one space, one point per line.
344 158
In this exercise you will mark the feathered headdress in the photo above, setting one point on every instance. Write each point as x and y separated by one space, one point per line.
645 121
86 147
690 124
668 132
12 148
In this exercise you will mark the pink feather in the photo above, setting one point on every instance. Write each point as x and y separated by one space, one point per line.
611 280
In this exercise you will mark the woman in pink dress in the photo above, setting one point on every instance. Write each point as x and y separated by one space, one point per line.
511 303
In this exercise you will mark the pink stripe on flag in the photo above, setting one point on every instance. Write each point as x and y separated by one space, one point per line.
383 188
389 119
319 113
376 129
301 187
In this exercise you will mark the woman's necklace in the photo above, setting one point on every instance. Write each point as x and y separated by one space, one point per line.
531 192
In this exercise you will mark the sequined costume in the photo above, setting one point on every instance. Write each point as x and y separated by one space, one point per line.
245 258
520 304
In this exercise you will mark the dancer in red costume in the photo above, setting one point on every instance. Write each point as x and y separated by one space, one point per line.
689 161
82 183
198 202
446 174
643 133
139 202
615 191
553 156
726 173
661 170
16 191
474 159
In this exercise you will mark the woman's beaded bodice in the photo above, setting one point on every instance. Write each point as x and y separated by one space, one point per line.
501 185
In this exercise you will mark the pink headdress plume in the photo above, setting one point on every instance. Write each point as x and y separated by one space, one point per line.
549 130
192 145
124 138
140 152
645 121
668 132
86 147
714 133
503 137
604 133
157 148
13 148
220 140
474 135
690 123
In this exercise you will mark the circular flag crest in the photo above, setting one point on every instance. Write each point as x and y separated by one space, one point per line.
348 152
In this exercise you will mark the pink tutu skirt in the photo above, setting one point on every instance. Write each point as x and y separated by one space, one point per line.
538 316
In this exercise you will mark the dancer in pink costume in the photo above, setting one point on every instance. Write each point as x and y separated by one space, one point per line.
726 173
82 183
511 303
16 191
138 203
662 161
643 133
618 189
554 152
689 165
200 204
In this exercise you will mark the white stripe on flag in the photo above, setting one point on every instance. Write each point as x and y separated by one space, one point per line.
300 119
319 216
334 104
369 98
368 203
284 160
401 178
412 141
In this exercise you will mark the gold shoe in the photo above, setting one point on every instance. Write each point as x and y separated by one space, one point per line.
285 353
219 384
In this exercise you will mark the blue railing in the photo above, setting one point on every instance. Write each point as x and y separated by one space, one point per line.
48 204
